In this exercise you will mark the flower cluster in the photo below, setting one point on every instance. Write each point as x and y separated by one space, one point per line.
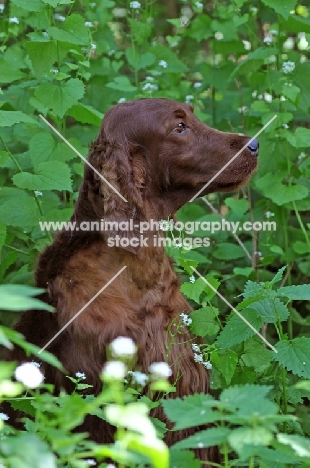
160 370
288 67
135 5
14 20
198 357
186 319
192 279
165 225
163 64
139 377
268 40
123 346
150 87
29 374
80 375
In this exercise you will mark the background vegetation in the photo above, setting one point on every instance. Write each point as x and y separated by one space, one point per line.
239 63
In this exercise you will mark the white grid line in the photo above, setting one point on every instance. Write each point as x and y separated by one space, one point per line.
81 310
82 157
233 158
235 310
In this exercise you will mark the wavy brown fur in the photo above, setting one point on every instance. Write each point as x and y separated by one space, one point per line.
140 151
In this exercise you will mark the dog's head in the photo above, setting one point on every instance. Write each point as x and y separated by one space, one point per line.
158 155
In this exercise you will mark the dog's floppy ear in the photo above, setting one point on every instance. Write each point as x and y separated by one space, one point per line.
122 166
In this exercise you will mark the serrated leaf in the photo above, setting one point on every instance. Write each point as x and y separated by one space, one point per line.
51 175
23 213
270 310
202 439
42 55
41 146
227 251
193 290
236 330
60 97
255 355
226 361
192 410
278 276
294 355
18 297
86 114
73 31
299 292
283 8
8 118
204 321
183 459
30 5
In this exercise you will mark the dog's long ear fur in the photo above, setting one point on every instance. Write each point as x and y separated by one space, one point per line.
122 165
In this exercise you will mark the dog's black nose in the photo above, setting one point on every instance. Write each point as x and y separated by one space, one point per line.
254 146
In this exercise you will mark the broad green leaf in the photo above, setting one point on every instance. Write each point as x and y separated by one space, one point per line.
41 146
9 118
51 175
200 28
299 139
299 292
43 55
301 80
183 459
73 31
9 73
254 60
290 92
278 276
23 212
139 61
272 187
283 8
227 251
18 297
30 5
204 321
226 361
174 64
255 355
239 207
122 83
60 97
236 330
301 247
270 310
85 114
2 234
203 439
300 445
54 3
282 118
192 410
245 271
193 290
256 436
24 448
294 355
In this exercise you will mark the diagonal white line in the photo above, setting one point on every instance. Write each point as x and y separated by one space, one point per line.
81 310
82 157
235 310
233 158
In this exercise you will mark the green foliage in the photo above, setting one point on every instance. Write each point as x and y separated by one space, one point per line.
239 63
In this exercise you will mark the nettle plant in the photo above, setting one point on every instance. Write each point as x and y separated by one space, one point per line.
239 63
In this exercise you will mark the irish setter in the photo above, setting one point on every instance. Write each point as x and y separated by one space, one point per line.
158 155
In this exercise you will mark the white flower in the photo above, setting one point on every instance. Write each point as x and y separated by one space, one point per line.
163 64
288 67
54 71
195 348
192 279
123 346
139 377
285 126
89 24
189 98
197 85
207 365
29 375
258 253
254 9
135 5
198 4
110 465
186 319
114 370
219 36
92 5
80 375
1 7
268 214
301 156
14 20
160 370
268 40
45 33
274 32
149 78
150 87
93 46
198 357
165 225
59 17
3 417
91 462
122 99
111 52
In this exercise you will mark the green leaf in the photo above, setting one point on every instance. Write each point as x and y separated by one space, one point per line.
193 290
236 330
139 61
30 5
255 355
9 73
18 297
73 31
272 187
192 410
51 175
60 97
278 276
301 80
43 55
24 448
201 28
227 251
174 64
23 212
294 355
54 3
122 83
183 459
299 139
203 439
254 60
2 234
270 310
8 118
242 436
204 321
239 207
225 361
86 114
283 8
41 146
301 247
300 445
300 292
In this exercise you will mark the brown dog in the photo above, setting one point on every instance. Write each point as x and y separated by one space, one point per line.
158 155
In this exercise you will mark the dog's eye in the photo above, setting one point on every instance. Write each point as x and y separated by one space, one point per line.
180 128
